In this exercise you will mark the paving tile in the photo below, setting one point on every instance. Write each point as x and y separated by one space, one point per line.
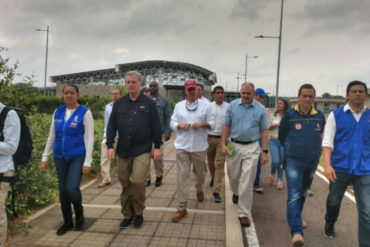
147 229
210 205
94 212
47 221
106 226
168 242
152 215
51 239
28 237
175 230
105 200
157 202
216 232
209 219
92 239
112 213
130 241
205 243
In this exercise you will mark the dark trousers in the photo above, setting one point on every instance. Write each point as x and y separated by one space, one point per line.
361 186
69 178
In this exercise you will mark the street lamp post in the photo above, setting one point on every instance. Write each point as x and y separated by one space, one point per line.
246 65
46 55
279 50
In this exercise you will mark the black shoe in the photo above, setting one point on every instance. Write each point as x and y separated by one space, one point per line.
217 197
64 228
211 183
235 199
329 230
148 183
124 223
138 221
158 181
80 220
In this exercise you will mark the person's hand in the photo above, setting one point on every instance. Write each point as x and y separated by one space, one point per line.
156 154
166 136
44 166
264 158
224 149
183 126
110 154
197 126
329 173
86 169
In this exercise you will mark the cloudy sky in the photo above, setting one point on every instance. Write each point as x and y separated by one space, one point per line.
326 43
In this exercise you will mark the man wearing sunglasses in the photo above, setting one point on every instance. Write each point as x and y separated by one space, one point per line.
191 120
164 111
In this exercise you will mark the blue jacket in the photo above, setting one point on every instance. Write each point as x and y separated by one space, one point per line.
69 136
351 153
301 134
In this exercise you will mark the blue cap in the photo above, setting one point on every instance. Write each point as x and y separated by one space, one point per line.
261 92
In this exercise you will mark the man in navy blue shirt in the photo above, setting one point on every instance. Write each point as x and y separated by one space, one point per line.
300 132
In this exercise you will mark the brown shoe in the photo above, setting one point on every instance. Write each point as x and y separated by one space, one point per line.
179 215
244 221
235 199
297 240
102 184
200 196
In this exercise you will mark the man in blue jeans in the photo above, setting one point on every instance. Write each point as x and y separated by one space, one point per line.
300 132
346 152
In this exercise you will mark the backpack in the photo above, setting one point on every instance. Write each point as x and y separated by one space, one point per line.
23 154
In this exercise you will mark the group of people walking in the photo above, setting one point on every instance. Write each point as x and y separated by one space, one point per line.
241 132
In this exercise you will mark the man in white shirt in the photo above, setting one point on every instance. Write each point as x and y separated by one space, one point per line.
191 120
346 154
104 163
8 146
215 156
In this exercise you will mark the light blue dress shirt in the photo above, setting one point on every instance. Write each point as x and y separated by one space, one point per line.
246 120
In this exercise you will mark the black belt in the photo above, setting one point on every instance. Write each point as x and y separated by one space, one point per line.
241 142
213 136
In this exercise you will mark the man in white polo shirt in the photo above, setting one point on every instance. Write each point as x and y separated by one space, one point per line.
191 120
215 156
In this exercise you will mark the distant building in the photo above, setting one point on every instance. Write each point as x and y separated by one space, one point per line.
170 76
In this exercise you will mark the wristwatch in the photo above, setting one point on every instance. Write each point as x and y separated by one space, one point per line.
266 151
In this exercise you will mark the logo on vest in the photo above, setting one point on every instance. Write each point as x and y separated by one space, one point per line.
74 122
298 126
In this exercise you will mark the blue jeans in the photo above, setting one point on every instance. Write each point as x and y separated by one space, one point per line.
69 178
277 158
299 175
361 186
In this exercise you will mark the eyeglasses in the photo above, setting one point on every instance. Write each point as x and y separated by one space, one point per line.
191 107
152 85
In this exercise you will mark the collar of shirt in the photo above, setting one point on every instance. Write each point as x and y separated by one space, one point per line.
252 104
313 110
347 107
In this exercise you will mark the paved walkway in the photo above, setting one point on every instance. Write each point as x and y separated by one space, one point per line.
204 226
207 224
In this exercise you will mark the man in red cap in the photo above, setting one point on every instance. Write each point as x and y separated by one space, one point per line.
191 120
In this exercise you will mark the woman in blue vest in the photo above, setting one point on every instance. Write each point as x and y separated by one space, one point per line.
71 139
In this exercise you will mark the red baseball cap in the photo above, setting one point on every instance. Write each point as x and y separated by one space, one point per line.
190 84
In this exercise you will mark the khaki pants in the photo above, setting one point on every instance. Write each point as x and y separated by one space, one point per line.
216 161
131 174
104 163
158 166
4 188
242 168
183 161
